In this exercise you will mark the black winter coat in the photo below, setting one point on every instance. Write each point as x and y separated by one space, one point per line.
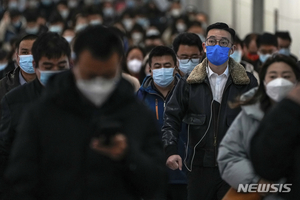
275 148
13 105
192 103
9 82
51 157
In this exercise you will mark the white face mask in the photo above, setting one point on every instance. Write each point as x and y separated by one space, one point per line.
56 29
64 13
137 37
128 23
176 12
80 27
181 27
96 22
69 38
278 88
98 89
134 66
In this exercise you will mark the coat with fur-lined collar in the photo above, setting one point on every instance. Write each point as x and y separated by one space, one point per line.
192 102
236 70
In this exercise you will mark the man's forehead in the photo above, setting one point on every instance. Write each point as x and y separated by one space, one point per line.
54 60
164 58
26 42
218 33
267 46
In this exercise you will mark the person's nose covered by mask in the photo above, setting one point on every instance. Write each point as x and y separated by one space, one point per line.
134 66
98 89
187 65
163 77
26 63
278 88
217 55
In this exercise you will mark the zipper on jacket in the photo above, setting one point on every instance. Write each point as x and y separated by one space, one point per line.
191 165
156 109
217 127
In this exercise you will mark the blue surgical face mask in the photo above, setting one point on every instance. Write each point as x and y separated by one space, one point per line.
33 30
45 75
217 55
2 66
264 57
237 56
56 29
26 63
144 22
163 76
284 51
46 2
188 67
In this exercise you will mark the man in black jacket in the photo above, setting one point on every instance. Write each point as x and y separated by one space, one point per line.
275 150
24 72
201 101
51 54
87 137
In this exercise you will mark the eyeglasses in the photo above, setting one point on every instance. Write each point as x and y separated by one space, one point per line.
222 42
194 60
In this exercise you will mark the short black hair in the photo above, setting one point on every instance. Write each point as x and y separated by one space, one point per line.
102 42
31 15
93 10
3 54
26 37
237 40
190 39
50 45
194 23
249 38
135 47
55 17
285 35
267 39
162 51
14 13
222 26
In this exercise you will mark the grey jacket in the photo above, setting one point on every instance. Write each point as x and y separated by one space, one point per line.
233 158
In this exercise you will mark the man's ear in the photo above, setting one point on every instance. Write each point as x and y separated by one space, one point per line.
33 64
204 47
232 49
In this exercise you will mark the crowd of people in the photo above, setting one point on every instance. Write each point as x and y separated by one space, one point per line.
124 100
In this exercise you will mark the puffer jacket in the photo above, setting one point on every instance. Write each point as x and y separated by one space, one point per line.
233 159
156 102
192 102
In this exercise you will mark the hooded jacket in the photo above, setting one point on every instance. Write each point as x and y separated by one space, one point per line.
156 102
192 102
52 159
234 151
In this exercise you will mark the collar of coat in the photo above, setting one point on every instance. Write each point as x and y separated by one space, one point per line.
237 72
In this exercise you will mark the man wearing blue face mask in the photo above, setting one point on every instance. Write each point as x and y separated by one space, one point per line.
24 71
238 54
51 54
188 48
201 101
156 91
284 44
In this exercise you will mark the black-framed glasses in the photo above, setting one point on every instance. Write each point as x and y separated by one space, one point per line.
213 41
194 60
